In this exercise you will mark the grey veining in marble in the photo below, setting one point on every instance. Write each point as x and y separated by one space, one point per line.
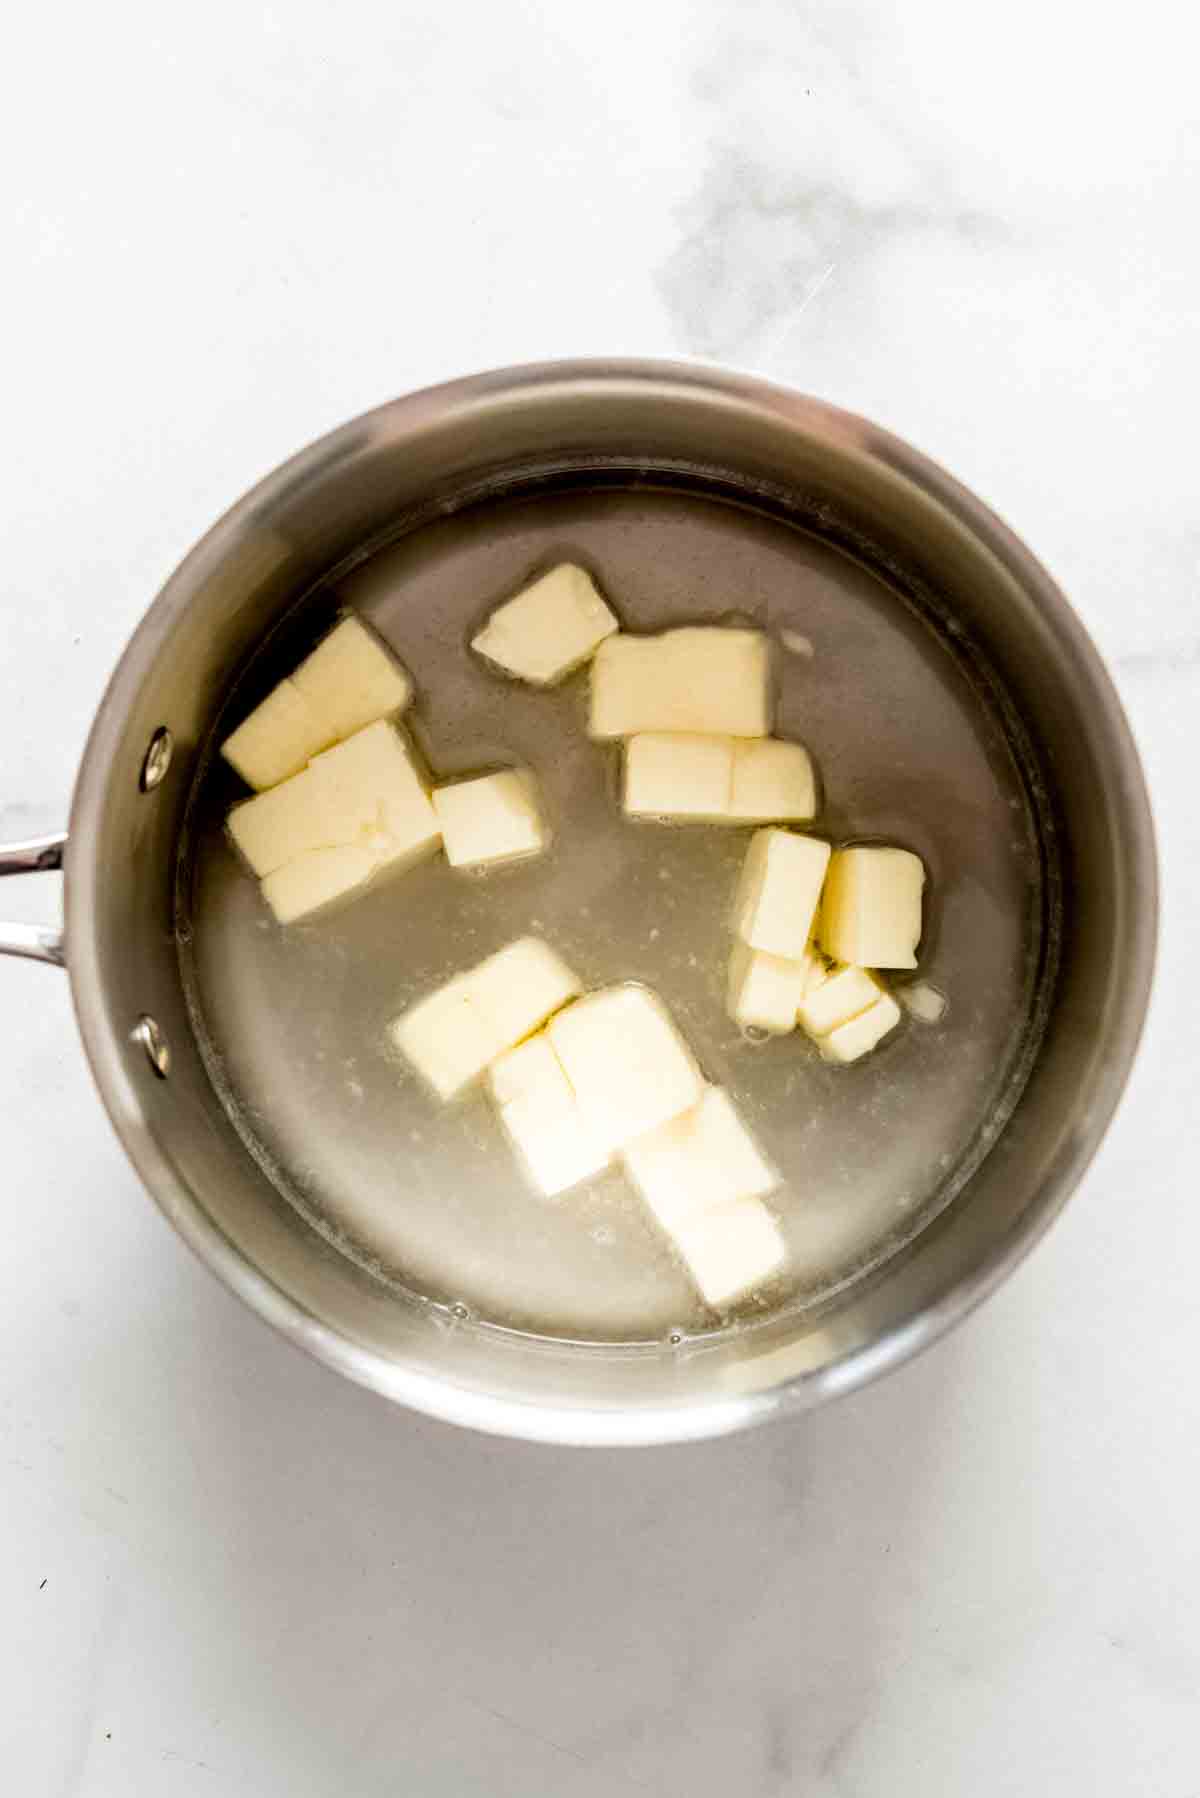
819 186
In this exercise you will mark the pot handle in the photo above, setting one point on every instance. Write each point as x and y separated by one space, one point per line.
40 942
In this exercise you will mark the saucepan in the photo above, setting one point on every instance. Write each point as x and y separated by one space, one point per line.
952 702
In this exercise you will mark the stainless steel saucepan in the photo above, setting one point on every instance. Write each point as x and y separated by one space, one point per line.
952 702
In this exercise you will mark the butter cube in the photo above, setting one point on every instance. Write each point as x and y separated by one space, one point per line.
315 879
368 783
765 991
538 1108
702 1159
350 680
834 1001
862 1033
728 780
363 793
629 1067
445 1038
286 821
517 989
779 891
678 776
732 1251
452 1035
531 1070
771 780
871 912
494 818
323 833
277 738
703 1177
707 679
558 1145
551 627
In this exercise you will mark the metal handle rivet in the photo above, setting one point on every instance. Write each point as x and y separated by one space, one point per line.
158 759
158 1052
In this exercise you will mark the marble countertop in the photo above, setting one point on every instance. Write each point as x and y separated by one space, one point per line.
223 1570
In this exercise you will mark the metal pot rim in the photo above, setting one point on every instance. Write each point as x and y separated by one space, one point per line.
408 415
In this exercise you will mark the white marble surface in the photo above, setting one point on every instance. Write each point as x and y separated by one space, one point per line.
225 1572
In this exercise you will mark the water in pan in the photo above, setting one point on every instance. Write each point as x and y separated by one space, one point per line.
295 1021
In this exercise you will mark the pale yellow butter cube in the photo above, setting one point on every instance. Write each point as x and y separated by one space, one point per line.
772 780
833 1002
445 1038
311 881
556 1142
289 820
350 680
361 799
732 1251
678 776
863 1033
779 891
456 1032
531 1070
871 911
708 679
629 1067
539 1110
518 988
492 819
550 628
277 738
703 1159
371 786
765 991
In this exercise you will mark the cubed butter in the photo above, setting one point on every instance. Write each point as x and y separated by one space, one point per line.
277 738
286 821
703 1177
709 679
363 799
727 780
518 988
538 1108
834 1001
311 881
363 793
863 1033
630 1068
765 991
551 627
871 910
703 1159
445 1038
369 784
350 680
678 776
456 1032
732 1251
555 1141
531 1070
492 819
772 780
779 891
